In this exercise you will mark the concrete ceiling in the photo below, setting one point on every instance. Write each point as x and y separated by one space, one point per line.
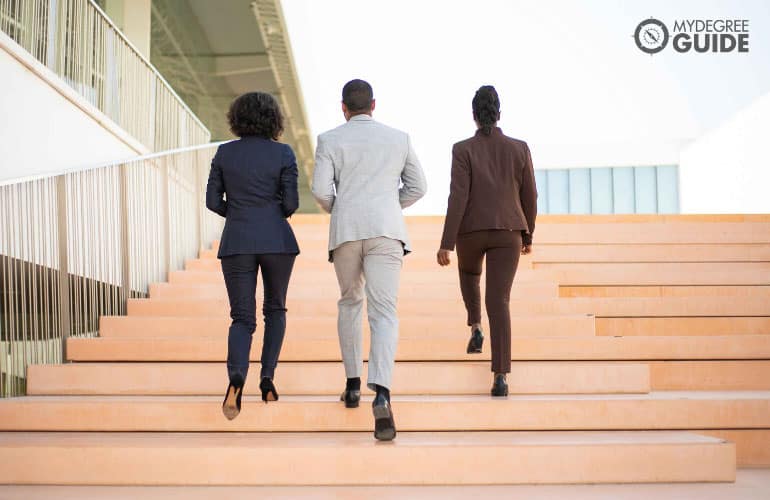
212 51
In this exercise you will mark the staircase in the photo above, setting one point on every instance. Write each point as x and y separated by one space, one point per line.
641 354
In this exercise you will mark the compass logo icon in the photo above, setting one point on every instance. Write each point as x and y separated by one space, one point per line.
651 36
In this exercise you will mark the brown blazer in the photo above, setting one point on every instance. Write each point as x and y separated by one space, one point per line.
493 187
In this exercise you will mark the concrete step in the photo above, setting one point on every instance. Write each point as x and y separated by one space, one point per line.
601 233
323 275
327 378
654 411
753 446
750 484
572 325
525 289
721 252
663 273
665 291
355 458
602 307
680 326
445 348
710 375
424 252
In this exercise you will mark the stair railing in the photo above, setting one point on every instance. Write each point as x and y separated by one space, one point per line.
77 245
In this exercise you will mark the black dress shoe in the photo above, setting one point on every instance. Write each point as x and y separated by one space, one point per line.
352 394
499 387
384 425
476 341
231 406
268 390
351 398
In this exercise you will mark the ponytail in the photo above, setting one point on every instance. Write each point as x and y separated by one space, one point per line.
486 108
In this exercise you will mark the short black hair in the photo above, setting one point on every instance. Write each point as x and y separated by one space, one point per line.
256 114
357 95
486 108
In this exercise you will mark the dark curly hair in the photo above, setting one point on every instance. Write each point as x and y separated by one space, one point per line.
486 108
256 113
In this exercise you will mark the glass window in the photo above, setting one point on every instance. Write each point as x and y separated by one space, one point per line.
623 190
580 191
601 191
645 190
668 190
558 191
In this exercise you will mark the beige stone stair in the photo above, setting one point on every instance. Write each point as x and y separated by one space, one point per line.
641 353
657 411
466 377
355 458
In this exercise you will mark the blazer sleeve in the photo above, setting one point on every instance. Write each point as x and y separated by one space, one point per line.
528 196
413 179
459 190
215 189
323 176
289 187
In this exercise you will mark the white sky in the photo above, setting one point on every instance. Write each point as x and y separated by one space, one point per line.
572 83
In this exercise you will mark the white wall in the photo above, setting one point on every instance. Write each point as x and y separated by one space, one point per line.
727 170
45 127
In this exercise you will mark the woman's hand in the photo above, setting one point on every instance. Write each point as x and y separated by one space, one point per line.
526 249
443 257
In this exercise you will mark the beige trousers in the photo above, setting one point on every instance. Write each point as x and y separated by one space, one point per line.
371 267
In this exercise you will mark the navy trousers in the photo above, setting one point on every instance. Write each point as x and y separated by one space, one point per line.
241 280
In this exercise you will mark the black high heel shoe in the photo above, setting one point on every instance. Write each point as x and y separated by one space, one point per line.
231 406
476 341
500 386
268 390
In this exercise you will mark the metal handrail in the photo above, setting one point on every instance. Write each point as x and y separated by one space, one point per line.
75 246
131 159
78 42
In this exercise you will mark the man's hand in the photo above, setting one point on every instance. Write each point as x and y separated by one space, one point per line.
526 249
443 257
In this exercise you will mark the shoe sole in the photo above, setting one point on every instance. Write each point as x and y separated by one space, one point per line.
230 407
350 404
384 427
473 348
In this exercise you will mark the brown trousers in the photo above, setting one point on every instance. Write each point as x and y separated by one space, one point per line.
502 249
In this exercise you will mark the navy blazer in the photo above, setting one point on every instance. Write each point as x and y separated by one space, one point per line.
259 177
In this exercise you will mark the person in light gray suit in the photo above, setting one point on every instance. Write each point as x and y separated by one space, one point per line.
365 174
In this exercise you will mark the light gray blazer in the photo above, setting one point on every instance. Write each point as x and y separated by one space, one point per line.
365 173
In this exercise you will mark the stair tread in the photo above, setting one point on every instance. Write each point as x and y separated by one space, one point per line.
654 395
350 439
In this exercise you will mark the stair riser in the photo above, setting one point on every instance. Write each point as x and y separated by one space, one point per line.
182 415
329 378
337 465
678 326
665 291
594 253
325 277
326 327
617 307
407 292
431 349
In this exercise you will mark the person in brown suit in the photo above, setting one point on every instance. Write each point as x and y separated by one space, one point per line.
491 212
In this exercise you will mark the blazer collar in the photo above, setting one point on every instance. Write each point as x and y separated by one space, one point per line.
495 131
361 118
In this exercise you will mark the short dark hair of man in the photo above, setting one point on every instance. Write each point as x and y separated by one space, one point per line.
256 114
357 95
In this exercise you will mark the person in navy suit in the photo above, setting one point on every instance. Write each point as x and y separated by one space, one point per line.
253 185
